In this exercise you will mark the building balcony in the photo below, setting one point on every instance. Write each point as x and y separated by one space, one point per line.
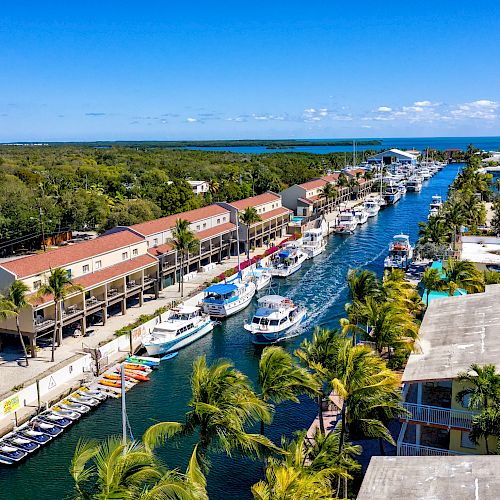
114 292
418 450
92 302
439 416
43 324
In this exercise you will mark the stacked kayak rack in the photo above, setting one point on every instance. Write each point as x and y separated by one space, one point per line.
50 423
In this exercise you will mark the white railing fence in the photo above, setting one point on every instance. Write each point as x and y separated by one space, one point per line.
448 417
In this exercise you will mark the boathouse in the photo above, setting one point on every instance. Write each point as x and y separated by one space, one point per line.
393 156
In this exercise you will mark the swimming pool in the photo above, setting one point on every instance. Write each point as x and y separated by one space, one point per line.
297 218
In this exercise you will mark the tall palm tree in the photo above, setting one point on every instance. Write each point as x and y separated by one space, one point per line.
12 304
280 379
431 281
249 217
482 388
328 193
435 230
115 470
486 424
316 355
454 217
362 284
463 274
59 285
185 242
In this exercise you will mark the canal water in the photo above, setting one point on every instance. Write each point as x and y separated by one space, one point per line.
320 285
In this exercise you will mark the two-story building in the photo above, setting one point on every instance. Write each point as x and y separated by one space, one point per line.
212 227
362 187
274 218
455 333
114 271
199 187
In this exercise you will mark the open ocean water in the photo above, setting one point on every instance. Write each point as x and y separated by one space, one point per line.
320 285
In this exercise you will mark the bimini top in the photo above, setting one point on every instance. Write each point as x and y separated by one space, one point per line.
284 254
221 288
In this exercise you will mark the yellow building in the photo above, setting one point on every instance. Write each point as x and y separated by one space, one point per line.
455 333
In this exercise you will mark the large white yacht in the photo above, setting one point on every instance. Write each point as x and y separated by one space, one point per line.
183 326
225 299
287 261
371 207
313 242
400 253
414 184
346 222
361 214
274 317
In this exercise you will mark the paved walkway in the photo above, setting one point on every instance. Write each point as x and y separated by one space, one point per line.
13 373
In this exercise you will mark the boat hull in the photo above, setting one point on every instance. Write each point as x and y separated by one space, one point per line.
156 349
260 337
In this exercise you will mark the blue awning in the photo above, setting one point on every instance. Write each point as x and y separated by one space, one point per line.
284 254
221 288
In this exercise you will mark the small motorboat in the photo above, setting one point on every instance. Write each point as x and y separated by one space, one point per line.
225 299
287 261
46 428
5 461
400 253
275 315
21 442
53 418
260 276
361 215
79 407
79 399
33 435
347 222
371 207
313 242
11 452
63 412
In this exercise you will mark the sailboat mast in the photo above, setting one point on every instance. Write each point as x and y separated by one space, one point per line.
238 239
124 408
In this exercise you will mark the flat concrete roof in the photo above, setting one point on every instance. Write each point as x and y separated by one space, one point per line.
484 250
456 332
432 478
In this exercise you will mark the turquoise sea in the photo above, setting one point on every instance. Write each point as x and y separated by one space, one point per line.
419 143
320 285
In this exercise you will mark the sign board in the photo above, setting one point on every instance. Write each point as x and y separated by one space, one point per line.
11 404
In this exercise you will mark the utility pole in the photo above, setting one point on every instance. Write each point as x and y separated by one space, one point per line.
43 229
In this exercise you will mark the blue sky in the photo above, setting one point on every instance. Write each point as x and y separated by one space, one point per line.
165 70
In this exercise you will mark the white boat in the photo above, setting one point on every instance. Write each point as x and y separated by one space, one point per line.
371 207
400 253
414 184
225 299
287 261
402 187
425 173
313 242
12 453
275 315
184 325
392 195
361 214
20 442
346 222
261 276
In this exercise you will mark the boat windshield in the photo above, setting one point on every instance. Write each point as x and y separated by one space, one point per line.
180 317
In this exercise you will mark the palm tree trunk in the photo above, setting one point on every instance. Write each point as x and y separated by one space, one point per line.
182 276
343 428
52 358
320 414
22 340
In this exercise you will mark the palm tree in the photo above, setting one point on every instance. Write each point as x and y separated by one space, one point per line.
185 242
131 471
58 286
316 355
280 379
482 389
454 217
431 281
328 193
436 230
491 277
12 304
213 187
249 217
362 284
463 274
486 424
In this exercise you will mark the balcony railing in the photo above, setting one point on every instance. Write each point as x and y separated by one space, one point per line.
447 417
417 450
43 324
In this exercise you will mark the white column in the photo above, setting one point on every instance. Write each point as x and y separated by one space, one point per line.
418 430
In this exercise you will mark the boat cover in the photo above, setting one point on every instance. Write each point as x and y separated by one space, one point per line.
284 254
221 288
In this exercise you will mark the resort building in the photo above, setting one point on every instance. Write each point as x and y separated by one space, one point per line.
363 186
273 223
436 478
393 156
484 251
455 332
212 227
115 271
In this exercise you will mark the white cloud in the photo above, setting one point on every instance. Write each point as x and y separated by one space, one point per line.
426 104
482 109
316 115
191 120
384 109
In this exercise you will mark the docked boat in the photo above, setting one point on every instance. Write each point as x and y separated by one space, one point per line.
11 453
34 435
402 187
361 215
274 317
435 206
72 406
46 428
313 242
225 299
371 207
20 442
400 253
86 392
346 222
392 195
425 173
260 276
53 418
79 399
414 184
287 261
63 412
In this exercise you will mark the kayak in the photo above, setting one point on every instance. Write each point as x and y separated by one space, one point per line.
144 362
113 376
131 366
110 383
134 375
